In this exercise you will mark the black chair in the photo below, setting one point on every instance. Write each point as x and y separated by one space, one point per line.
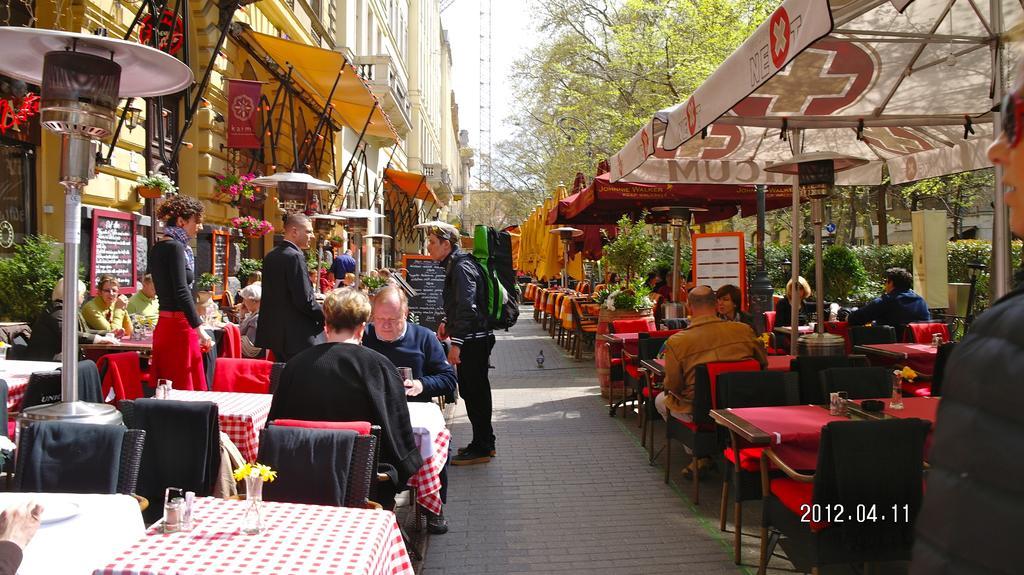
19 347
275 375
699 436
65 457
873 471
5 427
312 464
941 358
632 380
44 386
857 382
870 334
182 447
674 323
747 389
809 367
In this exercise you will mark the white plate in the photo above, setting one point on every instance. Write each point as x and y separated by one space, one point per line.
54 511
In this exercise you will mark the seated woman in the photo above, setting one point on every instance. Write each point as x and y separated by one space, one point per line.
783 309
250 316
729 299
45 343
349 280
341 380
107 311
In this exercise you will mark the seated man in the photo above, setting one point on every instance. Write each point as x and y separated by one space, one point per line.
416 347
707 339
106 312
340 380
46 343
144 302
898 306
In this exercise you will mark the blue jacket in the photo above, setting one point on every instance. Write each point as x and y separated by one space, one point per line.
419 350
894 308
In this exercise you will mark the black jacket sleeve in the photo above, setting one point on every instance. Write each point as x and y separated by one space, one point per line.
301 291
467 313
179 280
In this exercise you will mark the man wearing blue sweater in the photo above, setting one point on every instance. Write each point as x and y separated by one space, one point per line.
416 347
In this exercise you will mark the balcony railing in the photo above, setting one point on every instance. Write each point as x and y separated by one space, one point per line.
386 84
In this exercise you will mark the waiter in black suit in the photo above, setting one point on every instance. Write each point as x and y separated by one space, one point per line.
291 320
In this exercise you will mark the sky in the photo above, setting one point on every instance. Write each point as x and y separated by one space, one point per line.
512 34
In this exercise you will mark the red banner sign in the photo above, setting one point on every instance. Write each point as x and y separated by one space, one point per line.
244 114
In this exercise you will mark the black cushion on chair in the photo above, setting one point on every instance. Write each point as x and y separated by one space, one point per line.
809 368
312 464
64 457
858 382
871 334
44 386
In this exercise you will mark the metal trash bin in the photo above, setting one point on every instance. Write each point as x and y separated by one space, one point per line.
820 344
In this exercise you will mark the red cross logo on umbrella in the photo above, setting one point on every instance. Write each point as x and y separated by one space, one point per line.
778 36
691 115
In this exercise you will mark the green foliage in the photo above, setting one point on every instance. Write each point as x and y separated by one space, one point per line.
27 278
246 267
953 193
844 274
312 260
372 283
632 295
207 281
663 254
630 253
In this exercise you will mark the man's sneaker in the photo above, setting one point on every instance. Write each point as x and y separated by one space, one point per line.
471 457
436 524
469 447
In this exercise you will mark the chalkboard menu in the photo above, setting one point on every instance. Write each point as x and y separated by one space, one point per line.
113 248
221 253
427 278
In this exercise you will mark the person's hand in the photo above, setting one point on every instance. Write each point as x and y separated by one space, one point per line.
413 387
18 524
442 333
205 342
118 333
120 302
453 355
106 339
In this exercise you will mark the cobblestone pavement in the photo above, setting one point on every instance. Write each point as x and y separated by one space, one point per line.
571 490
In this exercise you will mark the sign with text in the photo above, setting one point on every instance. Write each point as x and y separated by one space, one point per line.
720 259
244 114
427 278
219 258
113 249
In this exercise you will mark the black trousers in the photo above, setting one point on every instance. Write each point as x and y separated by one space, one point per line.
475 388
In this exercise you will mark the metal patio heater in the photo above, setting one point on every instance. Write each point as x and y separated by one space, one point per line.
566 234
81 79
377 240
359 222
322 224
816 174
679 219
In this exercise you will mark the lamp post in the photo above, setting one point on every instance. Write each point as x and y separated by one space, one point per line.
81 79
816 174
760 286
679 219
974 270
566 234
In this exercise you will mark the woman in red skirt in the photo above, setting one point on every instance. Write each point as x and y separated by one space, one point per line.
178 343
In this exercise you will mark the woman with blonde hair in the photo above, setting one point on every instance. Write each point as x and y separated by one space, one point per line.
783 310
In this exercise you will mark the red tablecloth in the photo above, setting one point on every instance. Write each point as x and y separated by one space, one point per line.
920 357
779 362
242 415
796 430
921 407
427 480
297 539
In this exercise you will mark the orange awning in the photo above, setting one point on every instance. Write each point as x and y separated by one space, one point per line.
316 69
412 184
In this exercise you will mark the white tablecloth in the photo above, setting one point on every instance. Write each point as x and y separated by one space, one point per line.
427 422
104 525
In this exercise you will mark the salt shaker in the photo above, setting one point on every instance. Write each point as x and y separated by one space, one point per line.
936 339
173 512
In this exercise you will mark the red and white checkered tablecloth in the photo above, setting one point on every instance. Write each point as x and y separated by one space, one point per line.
427 480
297 539
16 374
242 415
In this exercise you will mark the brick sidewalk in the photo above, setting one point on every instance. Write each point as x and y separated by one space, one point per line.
570 490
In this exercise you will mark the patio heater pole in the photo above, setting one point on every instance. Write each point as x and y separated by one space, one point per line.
761 285
1000 217
566 234
795 143
679 219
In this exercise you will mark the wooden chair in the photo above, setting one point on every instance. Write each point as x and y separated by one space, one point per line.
584 324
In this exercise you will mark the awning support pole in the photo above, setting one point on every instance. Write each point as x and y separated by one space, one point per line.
1000 283
350 160
291 118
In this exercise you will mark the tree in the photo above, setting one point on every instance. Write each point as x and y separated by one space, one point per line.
955 193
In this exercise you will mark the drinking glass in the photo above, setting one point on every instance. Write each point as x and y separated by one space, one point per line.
405 372
837 403
163 388
896 402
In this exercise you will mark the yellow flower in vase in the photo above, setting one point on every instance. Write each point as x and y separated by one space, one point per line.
908 374
263 472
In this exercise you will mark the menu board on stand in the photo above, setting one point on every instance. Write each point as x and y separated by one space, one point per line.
113 249
220 256
720 259
427 278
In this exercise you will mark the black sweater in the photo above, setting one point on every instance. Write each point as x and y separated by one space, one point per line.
172 279
347 382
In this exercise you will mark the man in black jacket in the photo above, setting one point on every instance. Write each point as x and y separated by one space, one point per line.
291 320
466 323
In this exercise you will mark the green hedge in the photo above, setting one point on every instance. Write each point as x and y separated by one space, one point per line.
27 278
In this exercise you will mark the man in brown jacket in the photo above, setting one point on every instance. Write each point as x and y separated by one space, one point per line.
707 339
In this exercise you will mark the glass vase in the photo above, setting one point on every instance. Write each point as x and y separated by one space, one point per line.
896 402
252 520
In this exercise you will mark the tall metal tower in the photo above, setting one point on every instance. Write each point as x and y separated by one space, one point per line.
485 174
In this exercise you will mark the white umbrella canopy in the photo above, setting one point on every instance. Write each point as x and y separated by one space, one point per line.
858 77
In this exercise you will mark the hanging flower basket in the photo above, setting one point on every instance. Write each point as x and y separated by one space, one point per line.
252 227
337 242
234 188
155 185
149 192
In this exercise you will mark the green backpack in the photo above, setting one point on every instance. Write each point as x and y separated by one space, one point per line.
493 252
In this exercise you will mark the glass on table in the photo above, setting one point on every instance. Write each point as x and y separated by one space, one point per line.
163 388
896 401
837 403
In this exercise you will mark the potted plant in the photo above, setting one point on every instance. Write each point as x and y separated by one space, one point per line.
235 188
252 227
372 283
155 185
337 241
205 285
247 267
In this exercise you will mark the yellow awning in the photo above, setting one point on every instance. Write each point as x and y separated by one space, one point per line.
316 69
